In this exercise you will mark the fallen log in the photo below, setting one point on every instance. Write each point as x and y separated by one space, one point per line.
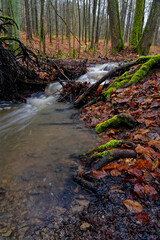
113 155
124 67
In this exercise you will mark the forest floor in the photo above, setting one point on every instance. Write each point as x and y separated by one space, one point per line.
59 49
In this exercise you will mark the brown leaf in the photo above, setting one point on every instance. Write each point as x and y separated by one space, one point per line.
145 150
133 206
142 217
150 191
99 174
144 164
135 172
148 122
155 143
139 190
110 166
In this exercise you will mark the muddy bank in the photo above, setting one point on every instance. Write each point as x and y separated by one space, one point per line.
106 217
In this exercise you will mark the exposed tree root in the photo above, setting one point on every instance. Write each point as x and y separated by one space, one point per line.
113 155
84 183
116 121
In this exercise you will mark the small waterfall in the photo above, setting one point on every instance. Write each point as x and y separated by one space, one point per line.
97 72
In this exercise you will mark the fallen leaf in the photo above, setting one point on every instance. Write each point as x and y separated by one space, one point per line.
144 164
133 206
145 150
142 217
154 143
135 172
150 191
99 174
138 188
110 166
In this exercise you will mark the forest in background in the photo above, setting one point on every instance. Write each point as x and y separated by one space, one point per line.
82 26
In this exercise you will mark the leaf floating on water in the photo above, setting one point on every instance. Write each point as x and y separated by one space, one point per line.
133 206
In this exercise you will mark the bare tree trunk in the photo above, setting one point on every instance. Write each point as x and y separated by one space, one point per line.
97 27
123 14
147 37
114 20
93 23
79 16
28 21
128 22
42 29
74 29
68 30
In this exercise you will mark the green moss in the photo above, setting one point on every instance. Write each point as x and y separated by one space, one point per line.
102 154
119 82
145 68
110 144
137 25
127 77
116 121
113 122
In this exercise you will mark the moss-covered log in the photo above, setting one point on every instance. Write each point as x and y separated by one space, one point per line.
128 79
116 121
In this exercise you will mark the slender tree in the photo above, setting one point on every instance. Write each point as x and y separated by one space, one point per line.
98 20
42 29
28 21
93 22
126 37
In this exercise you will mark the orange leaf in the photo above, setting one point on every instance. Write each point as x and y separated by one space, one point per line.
99 174
142 216
110 166
135 172
133 206
150 191
144 163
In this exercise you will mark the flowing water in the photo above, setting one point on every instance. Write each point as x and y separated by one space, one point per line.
38 141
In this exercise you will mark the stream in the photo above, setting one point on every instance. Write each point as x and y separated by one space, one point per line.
38 144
